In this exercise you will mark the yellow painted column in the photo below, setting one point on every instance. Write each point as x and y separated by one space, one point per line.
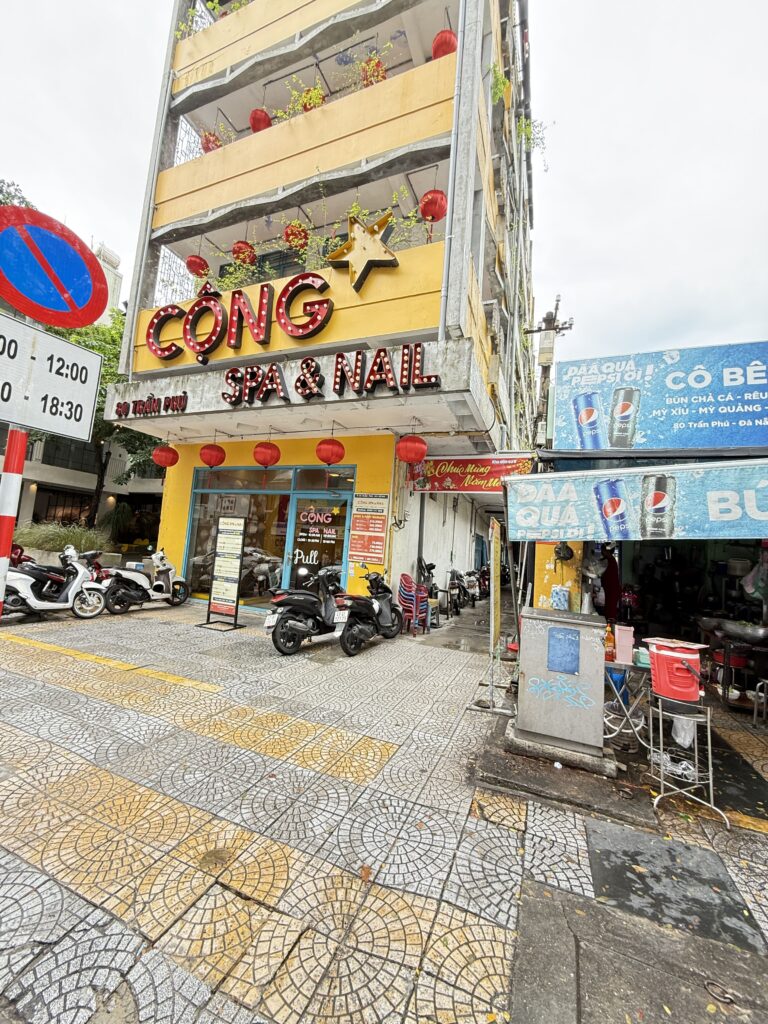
564 574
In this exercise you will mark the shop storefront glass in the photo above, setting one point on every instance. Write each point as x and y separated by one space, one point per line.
295 517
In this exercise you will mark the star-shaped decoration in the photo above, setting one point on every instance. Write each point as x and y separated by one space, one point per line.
365 249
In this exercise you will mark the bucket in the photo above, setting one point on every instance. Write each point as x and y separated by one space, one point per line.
669 676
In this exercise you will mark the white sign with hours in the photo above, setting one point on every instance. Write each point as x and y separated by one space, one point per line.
46 383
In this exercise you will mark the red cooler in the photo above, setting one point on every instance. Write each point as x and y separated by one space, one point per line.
669 676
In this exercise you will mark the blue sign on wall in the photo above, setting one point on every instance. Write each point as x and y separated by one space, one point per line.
715 397
725 500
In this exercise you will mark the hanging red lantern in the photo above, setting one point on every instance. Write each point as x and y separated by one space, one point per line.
266 454
198 266
243 252
330 451
212 455
433 205
165 456
259 120
411 449
445 42
210 141
296 236
372 71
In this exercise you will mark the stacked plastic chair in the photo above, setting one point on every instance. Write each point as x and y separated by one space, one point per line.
414 600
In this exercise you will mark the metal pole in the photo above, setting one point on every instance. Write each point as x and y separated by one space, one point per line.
10 492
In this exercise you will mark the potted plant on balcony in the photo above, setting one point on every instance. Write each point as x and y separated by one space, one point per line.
210 141
194 21
302 99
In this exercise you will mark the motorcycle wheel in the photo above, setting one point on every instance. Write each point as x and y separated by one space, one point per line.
397 626
351 642
285 640
117 601
462 599
179 593
88 604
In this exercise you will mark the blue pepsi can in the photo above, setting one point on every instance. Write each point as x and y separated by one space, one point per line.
590 422
613 506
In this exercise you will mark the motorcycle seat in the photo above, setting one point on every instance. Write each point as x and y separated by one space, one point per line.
43 573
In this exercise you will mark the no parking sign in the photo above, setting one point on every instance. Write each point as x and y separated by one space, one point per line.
47 272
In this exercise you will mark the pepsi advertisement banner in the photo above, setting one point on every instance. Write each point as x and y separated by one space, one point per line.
715 397
727 500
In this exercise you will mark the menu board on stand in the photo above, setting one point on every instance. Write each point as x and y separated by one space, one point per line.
224 598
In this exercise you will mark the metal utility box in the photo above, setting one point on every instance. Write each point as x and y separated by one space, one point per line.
561 682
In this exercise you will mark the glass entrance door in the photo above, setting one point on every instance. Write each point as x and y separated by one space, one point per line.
318 535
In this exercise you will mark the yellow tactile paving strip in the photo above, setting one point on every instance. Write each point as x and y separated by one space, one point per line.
241 911
124 666
342 754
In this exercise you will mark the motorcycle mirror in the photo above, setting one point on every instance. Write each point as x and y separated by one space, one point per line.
150 548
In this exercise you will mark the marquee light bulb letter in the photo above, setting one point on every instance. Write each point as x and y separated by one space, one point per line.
241 312
156 324
203 346
318 312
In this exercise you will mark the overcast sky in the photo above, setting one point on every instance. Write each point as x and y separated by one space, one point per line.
651 221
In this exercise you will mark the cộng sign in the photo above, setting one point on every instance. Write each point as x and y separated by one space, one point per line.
727 500
711 397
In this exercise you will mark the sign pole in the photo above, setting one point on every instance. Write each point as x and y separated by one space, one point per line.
10 492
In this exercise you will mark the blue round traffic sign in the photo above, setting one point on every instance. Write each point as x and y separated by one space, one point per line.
47 272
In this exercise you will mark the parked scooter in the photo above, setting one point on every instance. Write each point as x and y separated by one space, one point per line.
473 585
130 587
458 583
426 578
98 573
18 557
300 613
33 588
367 616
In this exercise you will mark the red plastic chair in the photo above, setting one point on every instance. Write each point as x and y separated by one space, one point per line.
414 600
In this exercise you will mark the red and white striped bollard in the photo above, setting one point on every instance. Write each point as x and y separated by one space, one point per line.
10 492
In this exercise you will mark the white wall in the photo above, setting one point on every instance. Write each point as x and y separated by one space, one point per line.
449 536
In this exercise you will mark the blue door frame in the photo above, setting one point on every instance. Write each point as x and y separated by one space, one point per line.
295 495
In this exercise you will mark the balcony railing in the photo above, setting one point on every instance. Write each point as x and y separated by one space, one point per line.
410 108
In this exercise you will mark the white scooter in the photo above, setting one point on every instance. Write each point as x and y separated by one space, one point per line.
33 588
130 587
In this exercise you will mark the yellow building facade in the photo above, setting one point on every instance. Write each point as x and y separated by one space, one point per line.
335 248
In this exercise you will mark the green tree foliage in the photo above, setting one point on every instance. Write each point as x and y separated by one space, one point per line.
106 340
11 195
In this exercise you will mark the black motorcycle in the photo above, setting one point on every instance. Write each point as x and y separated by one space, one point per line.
301 613
369 616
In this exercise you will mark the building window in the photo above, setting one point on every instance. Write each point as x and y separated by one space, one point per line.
65 507
286 530
69 454
188 145
174 281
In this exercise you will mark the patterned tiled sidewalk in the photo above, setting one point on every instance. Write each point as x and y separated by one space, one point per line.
196 830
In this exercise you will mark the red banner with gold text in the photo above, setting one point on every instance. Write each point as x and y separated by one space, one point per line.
468 474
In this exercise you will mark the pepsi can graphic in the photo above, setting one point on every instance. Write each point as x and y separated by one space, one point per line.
612 504
590 421
657 507
625 405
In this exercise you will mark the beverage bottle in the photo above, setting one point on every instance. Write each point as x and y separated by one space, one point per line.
610 644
